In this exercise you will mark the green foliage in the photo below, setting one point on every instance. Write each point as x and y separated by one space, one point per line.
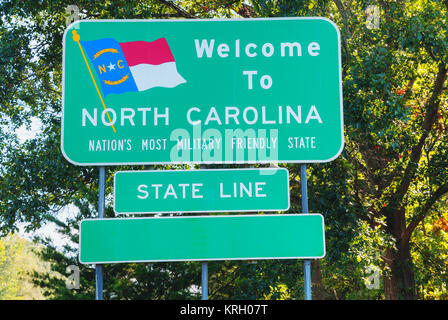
431 256
18 261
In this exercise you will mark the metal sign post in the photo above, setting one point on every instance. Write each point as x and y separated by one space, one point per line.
204 269
306 263
101 203
204 281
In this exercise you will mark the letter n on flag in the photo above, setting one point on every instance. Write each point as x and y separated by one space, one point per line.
132 66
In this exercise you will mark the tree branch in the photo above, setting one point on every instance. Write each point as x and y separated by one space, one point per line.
347 32
226 284
432 107
344 15
442 190
246 11
180 11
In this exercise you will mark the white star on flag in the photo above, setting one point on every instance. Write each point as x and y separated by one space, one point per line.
111 66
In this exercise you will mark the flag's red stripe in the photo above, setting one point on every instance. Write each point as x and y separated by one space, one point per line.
155 52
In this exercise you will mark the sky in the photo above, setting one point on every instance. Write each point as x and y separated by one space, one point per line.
24 134
49 229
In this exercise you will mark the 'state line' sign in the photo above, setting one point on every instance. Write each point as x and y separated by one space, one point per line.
211 190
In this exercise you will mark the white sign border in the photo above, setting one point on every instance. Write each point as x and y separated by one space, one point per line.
203 162
206 211
214 259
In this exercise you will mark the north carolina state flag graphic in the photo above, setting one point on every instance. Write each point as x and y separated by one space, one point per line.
132 66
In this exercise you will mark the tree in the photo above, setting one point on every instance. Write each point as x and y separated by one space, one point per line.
395 106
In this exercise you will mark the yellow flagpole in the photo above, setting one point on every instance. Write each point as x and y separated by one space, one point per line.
76 38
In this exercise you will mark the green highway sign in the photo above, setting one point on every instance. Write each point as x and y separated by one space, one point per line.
202 91
212 190
279 236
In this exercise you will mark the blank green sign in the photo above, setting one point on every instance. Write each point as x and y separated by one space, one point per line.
202 238
210 190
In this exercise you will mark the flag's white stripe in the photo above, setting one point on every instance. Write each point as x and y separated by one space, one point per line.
147 76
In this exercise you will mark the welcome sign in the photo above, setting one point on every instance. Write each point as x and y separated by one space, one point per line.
207 91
